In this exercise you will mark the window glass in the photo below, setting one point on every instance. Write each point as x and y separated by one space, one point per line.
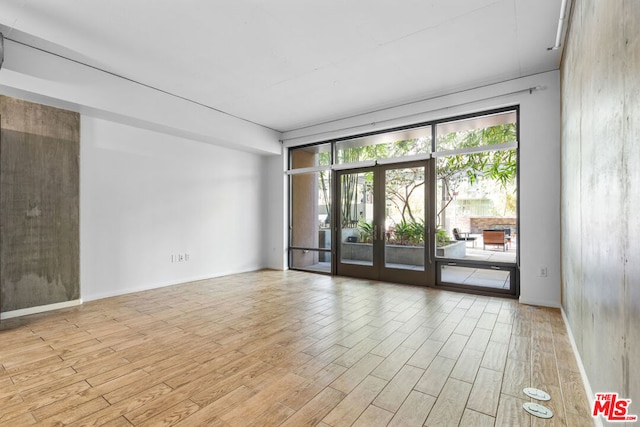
476 206
307 157
476 276
310 260
311 221
356 218
310 210
384 146
477 132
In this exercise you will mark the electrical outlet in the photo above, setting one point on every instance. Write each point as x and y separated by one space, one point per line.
542 272
180 257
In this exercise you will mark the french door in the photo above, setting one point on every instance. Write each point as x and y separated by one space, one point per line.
385 223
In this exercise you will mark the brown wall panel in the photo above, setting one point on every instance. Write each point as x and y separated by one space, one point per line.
39 199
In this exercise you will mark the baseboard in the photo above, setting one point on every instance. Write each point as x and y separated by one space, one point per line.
157 285
133 290
539 302
583 373
67 304
39 309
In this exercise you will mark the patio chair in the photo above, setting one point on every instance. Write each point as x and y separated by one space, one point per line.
461 236
495 238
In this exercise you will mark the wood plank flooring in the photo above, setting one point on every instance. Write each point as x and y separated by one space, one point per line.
288 348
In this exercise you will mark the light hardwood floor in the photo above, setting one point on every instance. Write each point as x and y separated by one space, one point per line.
288 348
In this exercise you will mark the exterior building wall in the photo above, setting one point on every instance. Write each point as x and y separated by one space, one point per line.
477 224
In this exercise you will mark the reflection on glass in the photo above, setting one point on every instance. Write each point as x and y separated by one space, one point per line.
307 157
477 131
356 218
476 192
384 146
470 276
310 217
405 218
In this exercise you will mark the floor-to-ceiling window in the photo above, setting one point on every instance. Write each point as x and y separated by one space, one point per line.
310 208
433 204
477 202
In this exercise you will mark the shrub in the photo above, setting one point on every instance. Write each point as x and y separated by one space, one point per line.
402 232
366 231
442 238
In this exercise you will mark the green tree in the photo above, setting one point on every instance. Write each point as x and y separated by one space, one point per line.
401 184
351 183
499 165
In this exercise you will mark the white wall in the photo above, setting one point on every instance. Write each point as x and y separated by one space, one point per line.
146 195
539 237
276 214
540 195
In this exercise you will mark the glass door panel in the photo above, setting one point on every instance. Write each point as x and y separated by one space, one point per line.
356 230
404 218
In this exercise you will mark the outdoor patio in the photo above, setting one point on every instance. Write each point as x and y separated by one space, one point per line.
496 279
455 274
491 253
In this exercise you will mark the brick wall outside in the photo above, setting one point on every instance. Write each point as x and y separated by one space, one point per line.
477 224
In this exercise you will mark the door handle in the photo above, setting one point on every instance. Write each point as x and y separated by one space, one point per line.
428 244
375 232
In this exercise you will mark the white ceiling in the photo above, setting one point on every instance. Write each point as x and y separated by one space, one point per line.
286 64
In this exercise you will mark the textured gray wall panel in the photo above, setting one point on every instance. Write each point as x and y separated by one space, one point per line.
632 213
601 191
39 199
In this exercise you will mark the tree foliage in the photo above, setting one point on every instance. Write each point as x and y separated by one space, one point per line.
401 185
451 170
499 165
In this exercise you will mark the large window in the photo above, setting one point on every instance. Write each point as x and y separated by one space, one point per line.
453 182
477 202
476 170
310 208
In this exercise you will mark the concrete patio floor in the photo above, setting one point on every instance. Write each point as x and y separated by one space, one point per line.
456 274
